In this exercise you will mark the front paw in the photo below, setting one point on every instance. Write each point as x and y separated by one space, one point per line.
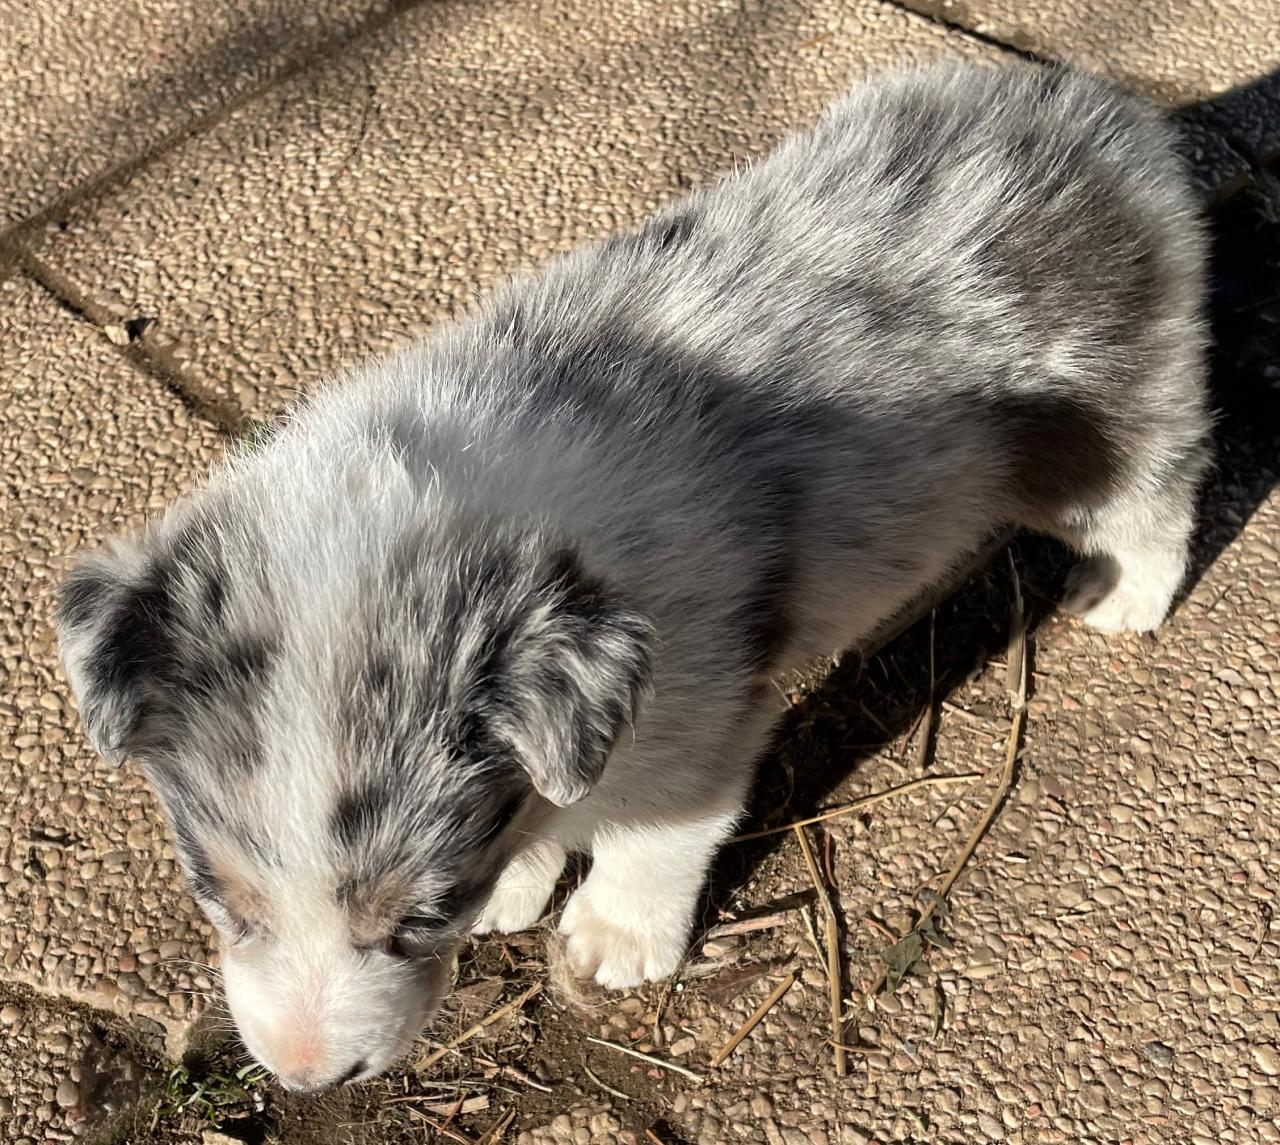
620 941
512 909
523 890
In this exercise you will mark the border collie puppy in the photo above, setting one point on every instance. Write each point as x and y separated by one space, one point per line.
518 590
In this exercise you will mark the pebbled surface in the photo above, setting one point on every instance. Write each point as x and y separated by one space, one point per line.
351 208
93 87
1113 977
90 906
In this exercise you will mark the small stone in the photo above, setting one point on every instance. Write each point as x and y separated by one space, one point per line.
51 701
1267 1060
1093 1098
131 985
682 1046
948 1100
11 1015
68 1093
1159 1054
720 947
991 1128
213 1137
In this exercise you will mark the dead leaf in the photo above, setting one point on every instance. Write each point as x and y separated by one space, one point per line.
900 958
733 980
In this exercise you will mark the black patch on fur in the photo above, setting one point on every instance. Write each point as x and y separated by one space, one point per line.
668 231
135 645
162 658
214 597
1063 459
357 812
247 659
83 594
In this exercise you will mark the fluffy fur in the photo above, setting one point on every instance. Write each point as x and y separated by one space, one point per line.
517 591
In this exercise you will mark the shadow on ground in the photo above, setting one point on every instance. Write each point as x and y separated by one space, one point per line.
862 709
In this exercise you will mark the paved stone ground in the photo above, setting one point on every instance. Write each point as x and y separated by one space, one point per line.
207 207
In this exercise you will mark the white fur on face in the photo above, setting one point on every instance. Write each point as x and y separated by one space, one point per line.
317 1012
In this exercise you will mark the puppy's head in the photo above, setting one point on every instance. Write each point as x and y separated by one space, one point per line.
351 724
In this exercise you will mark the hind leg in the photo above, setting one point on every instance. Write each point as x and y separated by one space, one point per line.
1136 549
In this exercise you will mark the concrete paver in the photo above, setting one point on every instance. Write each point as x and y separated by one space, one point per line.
1219 58
87 88
356 205
1178 51
1114 975
90 902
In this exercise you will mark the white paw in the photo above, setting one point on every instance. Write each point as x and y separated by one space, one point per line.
511 909
620 942
1111 601
524 888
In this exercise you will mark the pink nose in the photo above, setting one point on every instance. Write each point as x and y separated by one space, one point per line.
316 1079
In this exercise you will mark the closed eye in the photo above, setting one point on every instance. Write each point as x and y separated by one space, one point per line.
416 936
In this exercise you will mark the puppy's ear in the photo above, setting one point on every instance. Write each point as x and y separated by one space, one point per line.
112 622
564 678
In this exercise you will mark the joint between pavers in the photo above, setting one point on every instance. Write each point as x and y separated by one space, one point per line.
152 352
930 13
108 1008
14 236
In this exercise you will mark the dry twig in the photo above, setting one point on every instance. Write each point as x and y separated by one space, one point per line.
831 951
752 1022
450 1109
517 1074
649 1058
750 925
499 1131
1018 702
498 1014
929 720
441 1128
879 927
607 1088
863 801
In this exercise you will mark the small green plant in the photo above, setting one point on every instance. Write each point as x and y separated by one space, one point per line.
209 1096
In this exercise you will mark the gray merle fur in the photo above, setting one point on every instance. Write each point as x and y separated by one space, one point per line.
514 591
